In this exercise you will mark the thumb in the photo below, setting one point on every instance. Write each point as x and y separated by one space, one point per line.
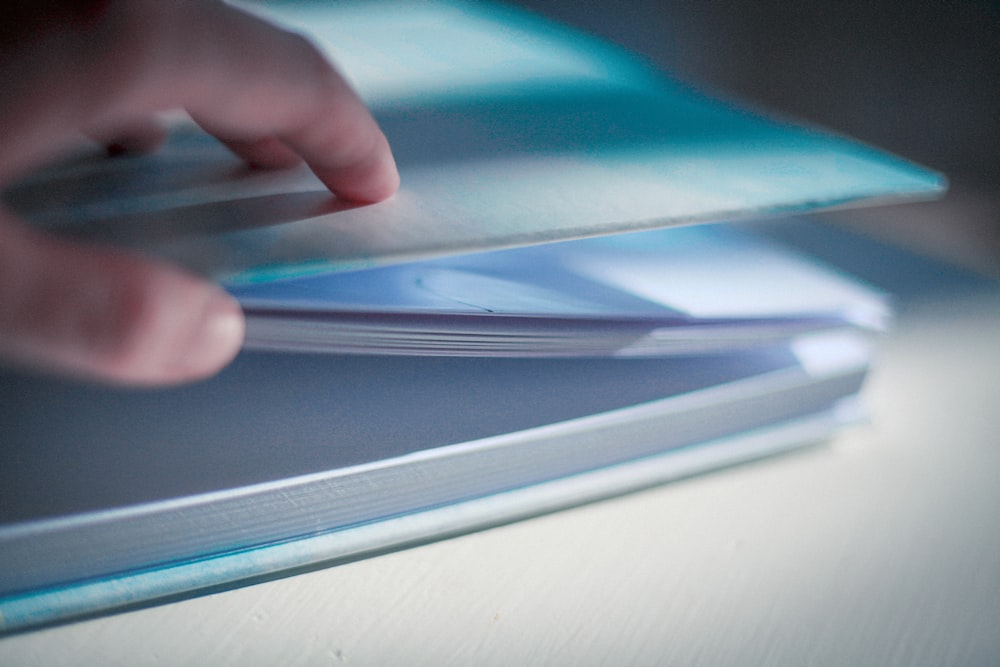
100 313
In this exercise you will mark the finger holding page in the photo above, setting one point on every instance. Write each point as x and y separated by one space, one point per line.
271 96
268 93
93 67
100 313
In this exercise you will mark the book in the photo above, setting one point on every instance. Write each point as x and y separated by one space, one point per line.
111 498
507 130
434 364
645 294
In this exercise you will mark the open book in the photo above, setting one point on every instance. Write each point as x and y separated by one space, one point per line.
468 375
507 130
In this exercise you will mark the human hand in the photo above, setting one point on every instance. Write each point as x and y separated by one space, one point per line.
105 68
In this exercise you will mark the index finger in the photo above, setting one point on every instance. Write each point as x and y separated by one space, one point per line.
243 79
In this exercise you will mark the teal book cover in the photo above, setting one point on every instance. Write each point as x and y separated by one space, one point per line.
510 132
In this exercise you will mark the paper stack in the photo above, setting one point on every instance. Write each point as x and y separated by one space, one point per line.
436 364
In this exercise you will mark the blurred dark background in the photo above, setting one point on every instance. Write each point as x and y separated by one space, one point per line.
919 78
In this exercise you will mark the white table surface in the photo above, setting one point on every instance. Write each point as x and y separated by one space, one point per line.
881 548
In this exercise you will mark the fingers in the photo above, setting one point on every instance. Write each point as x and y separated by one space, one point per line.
266 92
298 105
269 94
93 312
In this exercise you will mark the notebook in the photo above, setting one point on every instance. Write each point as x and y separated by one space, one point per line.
437 363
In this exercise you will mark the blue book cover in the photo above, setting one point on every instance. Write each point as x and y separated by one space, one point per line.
507 130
